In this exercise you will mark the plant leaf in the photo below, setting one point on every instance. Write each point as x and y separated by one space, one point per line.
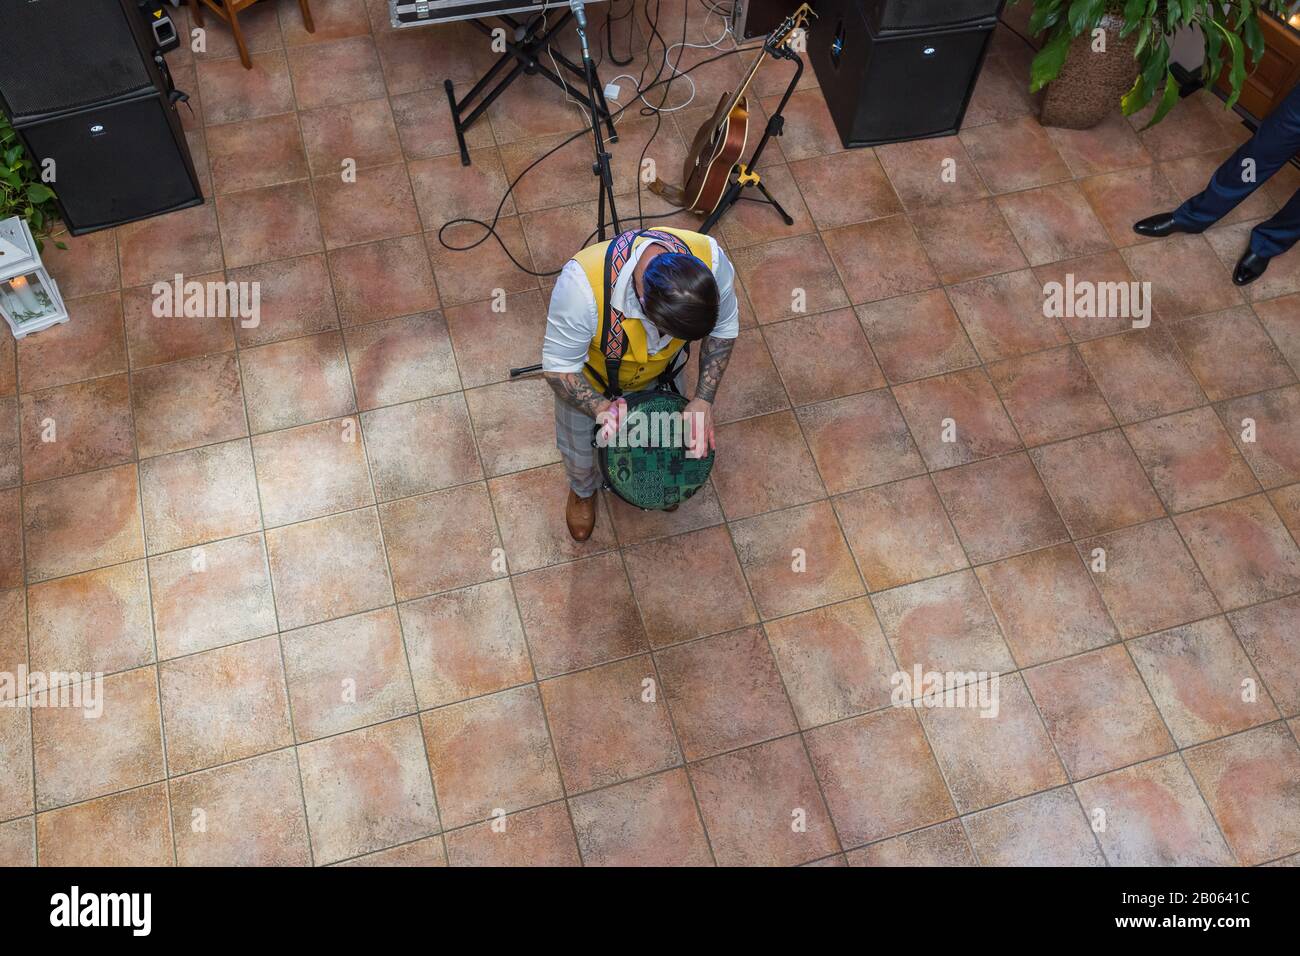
1047 64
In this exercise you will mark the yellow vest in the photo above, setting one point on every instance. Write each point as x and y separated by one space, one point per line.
639 369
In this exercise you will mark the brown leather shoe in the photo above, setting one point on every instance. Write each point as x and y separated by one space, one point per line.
580 515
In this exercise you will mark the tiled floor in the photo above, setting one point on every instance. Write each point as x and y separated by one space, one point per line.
323 562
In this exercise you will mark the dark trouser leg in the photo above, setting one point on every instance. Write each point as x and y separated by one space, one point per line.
1274 143
1276 235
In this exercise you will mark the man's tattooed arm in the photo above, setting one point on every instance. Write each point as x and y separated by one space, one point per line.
573 387
713 362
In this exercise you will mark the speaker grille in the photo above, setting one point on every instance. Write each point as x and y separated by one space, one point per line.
62 54
889 15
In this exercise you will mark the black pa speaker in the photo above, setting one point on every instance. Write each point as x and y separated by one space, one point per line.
81 85
883 88
886 16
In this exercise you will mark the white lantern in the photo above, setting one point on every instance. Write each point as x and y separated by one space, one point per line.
29 297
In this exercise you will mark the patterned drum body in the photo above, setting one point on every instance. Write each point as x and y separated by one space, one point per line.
646 463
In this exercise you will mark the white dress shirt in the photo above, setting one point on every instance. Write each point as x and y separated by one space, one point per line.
572 322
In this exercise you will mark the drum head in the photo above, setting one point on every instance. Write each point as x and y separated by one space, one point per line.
646 463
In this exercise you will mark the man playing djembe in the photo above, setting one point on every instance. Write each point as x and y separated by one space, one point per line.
664 288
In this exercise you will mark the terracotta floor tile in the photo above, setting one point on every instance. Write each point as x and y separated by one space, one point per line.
689 586
295 299
561 633
1046 606
75 428
1191 459
74 524
446 190
364 133
421 446
1248 781
1141 374
197 496
647 822
942 624
1230 354
743 476
125 829
378 204
752 385
78 758
879 776
941 845
1053 223
13 635
469 272
990 761
1050 396
1286 501
256 152
882 259
1154 817
967 241
931 172
748 800
11 469
1098 712
465 643
750 223
274 222
1097 483
635 526
1281 318
1231 240
1121 198
1046 829
18 842
1263 631
186 241
514 424
489 343
489 753
1186 276
1190 175
1015 154
343 71
367 790
252 812
821 181
214 595
956 418
188 404
859 441
16 746
1000 93
231 93
1003 315
795 560
173 336
542 836
1000 508
775 272
1150 581
823 356
383 280
834 661
809 129
1098 295
914 336
1109 146
93 622
310 471
424 126
89 345
296 382
1274 453
328 568
1195 674
899 533
1195 124
419 59
530 509
401 360
9 365
605 728
1244 550
365 656
88 265
443 540
224 705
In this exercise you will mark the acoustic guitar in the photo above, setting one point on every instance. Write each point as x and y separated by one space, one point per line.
720 142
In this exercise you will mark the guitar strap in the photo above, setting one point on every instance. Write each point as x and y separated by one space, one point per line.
613 338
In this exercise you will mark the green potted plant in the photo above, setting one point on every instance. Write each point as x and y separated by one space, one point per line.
22 193
1097 52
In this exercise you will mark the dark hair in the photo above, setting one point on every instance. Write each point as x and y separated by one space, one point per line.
681 296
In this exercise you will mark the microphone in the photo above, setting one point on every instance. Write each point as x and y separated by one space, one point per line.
580 14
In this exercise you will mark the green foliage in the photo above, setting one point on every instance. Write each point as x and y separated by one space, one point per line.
1230 29
22 193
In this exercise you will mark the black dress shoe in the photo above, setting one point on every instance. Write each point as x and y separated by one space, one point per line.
1162 225
1249 268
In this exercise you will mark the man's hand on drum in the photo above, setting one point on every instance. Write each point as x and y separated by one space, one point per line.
610 418
699 428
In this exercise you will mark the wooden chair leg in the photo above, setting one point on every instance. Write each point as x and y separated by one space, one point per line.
306 16
239 38
197 7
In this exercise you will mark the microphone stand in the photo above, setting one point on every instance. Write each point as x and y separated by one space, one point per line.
601 167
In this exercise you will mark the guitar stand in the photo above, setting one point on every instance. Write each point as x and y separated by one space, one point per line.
524 49
744 172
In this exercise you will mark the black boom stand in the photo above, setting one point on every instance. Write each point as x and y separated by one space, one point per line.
744 173
523 44
601 167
